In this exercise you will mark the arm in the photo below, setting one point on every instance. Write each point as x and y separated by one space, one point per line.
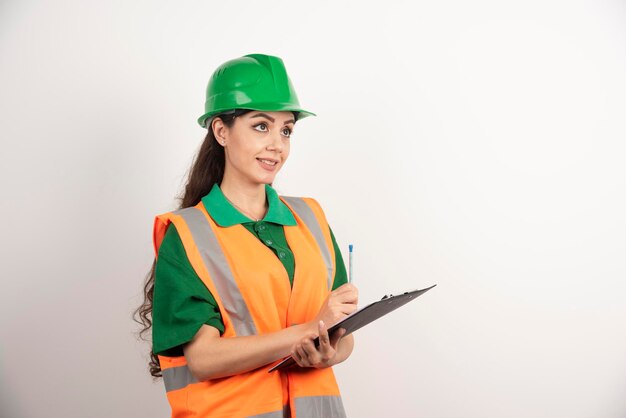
209 356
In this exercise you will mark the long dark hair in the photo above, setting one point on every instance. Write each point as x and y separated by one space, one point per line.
207 169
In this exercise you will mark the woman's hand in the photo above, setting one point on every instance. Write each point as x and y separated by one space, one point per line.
340 303
325 355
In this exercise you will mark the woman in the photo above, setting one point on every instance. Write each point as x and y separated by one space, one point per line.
243 277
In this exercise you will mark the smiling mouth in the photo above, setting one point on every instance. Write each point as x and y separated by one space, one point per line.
268 162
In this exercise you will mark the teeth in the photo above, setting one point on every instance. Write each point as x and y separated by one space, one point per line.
268 162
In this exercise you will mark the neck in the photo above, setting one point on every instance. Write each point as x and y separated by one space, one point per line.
249 198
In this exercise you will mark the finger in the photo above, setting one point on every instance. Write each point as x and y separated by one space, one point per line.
343 291
314 355
309 347
346 287
324 339
340 312
297 357
349 296
304 355
304 360
348 308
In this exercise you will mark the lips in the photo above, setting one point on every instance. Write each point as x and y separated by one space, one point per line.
268 161
268 164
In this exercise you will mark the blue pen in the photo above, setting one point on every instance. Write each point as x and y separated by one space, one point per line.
350 248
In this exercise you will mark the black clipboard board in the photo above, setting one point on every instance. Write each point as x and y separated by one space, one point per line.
362 317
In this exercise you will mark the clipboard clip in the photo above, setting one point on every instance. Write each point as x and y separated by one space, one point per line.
390 295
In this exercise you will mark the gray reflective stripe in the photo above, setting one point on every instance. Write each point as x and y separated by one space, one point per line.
319 407
275 414
217 266
306 213
177 378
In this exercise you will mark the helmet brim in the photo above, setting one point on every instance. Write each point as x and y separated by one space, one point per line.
273 107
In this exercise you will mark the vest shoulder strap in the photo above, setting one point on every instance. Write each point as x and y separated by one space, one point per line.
203 249
313 217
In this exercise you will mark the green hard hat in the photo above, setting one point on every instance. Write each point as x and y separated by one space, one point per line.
256 82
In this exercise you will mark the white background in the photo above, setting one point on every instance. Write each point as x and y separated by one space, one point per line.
477 145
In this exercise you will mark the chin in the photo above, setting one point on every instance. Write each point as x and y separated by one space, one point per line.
264 180
267 179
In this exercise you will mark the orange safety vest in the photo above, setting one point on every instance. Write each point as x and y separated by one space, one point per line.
252 290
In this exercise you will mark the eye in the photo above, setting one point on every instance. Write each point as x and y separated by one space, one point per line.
287 132
261 127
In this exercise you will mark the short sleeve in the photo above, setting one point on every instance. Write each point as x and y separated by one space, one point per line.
181 302
341 277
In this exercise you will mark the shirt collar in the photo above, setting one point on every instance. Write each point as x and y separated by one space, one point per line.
225 214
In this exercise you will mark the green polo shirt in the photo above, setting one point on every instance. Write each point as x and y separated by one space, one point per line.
181 301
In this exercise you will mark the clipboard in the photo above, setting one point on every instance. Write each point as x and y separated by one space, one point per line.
362 317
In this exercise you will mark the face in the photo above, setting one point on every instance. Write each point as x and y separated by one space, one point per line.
256 146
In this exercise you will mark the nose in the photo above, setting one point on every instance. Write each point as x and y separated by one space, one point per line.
276 143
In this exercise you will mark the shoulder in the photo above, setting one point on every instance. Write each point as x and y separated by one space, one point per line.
300 200
171 245
171 233
307 208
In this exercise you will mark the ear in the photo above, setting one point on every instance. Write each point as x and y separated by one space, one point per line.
220 130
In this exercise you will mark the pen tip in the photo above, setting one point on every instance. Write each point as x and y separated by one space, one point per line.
350 247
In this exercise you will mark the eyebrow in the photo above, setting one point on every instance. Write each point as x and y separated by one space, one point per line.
271 119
